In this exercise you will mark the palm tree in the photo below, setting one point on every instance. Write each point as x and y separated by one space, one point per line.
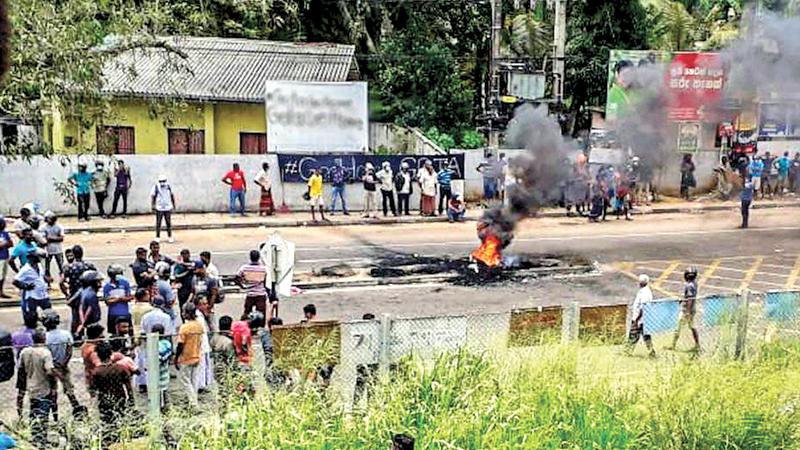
525 35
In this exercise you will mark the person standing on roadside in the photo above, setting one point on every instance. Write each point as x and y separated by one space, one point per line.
746 196
445 179
315 195
101 179
117 295
82 181
687 177
122 187
386 178
768 176
54 235
162 202
794 174
783 164
188 352
488 168
6 243
370 193
338 180
644 295
404 186
427 182
236 180
252 278
265 205
754 171
688 310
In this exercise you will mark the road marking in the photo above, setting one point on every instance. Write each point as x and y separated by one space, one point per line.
792 280
709 271
666 273
748 277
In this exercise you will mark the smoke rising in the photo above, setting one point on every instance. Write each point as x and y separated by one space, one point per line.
538 172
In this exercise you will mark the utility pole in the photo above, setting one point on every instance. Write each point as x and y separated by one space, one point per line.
493 111
559 48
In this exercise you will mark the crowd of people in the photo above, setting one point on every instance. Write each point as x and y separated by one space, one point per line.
173 298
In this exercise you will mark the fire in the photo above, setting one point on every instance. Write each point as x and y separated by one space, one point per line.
489 251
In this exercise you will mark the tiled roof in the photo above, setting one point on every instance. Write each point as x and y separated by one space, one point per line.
223 69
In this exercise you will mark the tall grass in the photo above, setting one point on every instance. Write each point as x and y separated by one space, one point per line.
546 400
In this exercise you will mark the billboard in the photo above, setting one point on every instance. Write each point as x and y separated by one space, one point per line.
694 81
316 117
623 89
297 168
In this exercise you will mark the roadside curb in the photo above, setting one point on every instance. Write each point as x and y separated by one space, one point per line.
399 221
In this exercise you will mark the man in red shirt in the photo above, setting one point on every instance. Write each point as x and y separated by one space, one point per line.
236 180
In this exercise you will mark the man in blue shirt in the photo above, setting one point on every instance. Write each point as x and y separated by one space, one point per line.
747 198
6 242
30 280
82 180
21 251
117 294
338 179
754 170
445 178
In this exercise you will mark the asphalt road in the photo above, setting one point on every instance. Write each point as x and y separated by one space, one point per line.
620 246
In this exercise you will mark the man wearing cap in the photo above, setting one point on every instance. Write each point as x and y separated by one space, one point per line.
82 180
162 202
30 280
644 295
101 178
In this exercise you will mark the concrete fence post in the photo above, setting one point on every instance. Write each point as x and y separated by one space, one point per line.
741 324
570 319
153 389
385 337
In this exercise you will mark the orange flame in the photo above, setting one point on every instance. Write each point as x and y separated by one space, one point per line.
489 251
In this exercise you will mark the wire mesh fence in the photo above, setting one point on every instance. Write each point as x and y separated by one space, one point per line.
94 393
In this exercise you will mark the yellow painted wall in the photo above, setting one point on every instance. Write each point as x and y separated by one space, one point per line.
232 118
222 123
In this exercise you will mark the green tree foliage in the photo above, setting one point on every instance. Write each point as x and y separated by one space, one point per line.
432 63
593 29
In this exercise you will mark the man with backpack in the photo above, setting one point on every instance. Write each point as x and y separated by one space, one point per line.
162 202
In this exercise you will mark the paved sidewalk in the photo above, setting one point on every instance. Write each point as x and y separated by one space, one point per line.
194 221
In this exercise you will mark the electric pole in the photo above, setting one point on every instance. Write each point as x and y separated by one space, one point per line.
559 48
493 111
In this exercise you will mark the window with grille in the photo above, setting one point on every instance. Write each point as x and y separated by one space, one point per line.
116 140
186 142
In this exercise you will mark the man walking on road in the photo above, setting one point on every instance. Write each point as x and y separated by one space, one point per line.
162 202
338 180
644 295
404 186
82 180
236 180
123 185
747 199
386 178
688 310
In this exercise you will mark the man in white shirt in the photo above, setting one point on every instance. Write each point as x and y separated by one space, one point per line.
645 295
162 201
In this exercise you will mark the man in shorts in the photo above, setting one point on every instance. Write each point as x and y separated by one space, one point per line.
315 195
